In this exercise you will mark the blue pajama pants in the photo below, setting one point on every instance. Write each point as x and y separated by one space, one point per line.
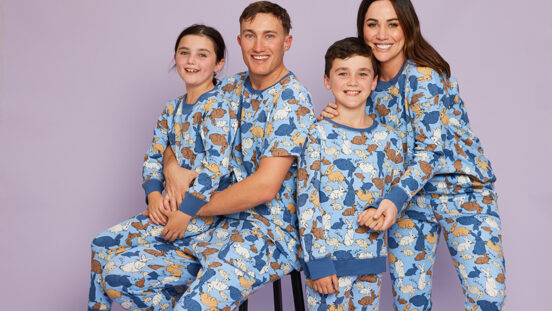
359 292
220 267
236 260
134 266
471 227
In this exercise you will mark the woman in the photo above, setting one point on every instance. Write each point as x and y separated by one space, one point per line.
448 183
142 262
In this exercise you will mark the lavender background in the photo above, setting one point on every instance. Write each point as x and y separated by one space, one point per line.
82 83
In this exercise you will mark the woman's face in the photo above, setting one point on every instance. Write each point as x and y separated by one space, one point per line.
383 33
196 61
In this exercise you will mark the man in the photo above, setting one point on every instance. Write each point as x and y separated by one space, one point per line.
256 242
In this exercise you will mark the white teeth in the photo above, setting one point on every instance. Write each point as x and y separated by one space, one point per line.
191 70
260 57
383 46
352 92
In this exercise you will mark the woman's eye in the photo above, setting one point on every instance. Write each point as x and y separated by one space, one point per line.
393 25
203 55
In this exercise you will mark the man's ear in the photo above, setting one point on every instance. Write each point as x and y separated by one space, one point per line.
287 42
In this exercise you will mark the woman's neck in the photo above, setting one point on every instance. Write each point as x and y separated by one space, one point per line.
391 68
194 92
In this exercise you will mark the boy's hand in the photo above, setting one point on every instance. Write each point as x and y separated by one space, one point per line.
329 112
366 218
326 285
155 205
388 209
176 225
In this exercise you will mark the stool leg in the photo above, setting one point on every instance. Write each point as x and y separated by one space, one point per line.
277 293
243 306
297 288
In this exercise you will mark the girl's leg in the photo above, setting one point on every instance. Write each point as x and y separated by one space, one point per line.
114 240
412 243
473 235
150 277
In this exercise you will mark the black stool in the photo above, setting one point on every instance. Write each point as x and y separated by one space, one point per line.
297 288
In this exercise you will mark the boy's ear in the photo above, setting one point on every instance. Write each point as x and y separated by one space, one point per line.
327 82
374 83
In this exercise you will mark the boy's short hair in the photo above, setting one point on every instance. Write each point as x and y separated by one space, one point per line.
346 48
267 7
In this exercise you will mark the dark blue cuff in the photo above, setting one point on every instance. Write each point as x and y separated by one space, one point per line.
398 197
151 186
191 205
320 268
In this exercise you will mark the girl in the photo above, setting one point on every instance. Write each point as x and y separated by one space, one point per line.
143 262
448 183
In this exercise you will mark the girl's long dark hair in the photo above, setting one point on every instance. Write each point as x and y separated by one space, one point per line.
209 32
416 48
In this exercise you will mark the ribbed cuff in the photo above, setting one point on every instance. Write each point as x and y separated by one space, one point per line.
151 186
320 268
398 197
191 205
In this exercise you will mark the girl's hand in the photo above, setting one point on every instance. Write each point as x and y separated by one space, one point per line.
176 225
329 112
153 211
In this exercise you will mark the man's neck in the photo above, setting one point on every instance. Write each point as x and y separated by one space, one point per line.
261 82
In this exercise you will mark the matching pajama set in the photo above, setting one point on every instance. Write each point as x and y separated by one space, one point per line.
130 261
447 185
246 250
342 172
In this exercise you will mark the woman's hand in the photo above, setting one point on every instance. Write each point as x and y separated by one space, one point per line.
177 182
155 205
329 112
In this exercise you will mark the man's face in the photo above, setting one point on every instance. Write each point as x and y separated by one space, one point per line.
263 42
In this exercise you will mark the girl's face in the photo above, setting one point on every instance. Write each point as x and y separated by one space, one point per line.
383 33
196 61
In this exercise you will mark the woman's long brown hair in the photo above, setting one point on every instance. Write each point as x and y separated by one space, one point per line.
416 48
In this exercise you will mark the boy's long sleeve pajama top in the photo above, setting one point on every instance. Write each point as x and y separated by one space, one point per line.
342 172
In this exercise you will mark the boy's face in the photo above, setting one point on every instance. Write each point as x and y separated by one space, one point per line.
263 42
351 80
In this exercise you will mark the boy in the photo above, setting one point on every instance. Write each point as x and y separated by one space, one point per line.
347 167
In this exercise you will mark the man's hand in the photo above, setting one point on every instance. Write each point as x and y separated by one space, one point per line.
176 225
326 285
177 180
155 205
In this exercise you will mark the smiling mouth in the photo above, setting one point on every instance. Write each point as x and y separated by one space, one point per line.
259 57
191 70
383 46
352 93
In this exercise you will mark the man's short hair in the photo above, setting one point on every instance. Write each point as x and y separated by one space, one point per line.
267 7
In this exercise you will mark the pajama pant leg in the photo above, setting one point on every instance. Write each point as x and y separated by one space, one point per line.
472 229
472 232
412 243
122 252
236 261
355 293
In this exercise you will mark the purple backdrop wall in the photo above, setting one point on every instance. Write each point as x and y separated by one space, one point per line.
82 83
